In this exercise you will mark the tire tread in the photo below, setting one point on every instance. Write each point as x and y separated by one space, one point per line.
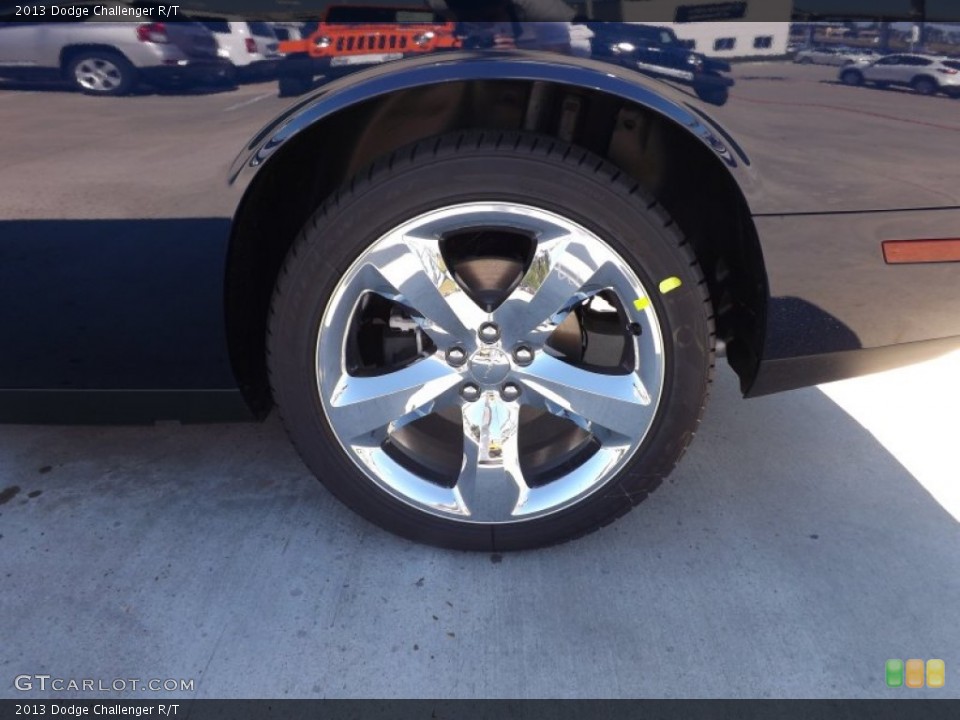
480 142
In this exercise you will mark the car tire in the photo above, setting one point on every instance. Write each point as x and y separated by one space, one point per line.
422 231
102 73
230 77
714 95
293 85
851 77
924 86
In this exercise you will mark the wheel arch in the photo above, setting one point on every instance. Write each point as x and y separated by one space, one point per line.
292 165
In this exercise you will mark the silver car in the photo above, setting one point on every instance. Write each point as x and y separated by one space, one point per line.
926 74
832 55
107 54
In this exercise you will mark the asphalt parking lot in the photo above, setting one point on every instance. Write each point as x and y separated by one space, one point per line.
804 539
49 132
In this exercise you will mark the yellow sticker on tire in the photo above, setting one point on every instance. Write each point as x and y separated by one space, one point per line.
669 285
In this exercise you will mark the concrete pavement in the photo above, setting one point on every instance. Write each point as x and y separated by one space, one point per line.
789 555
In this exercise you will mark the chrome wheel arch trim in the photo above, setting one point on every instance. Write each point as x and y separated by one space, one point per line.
532 66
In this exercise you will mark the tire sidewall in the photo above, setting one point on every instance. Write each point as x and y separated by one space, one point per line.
925 86
293 85
851 77
587 194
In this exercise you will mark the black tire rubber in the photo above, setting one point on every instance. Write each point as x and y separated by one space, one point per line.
128 73
925 86
713 95
293 85
230 77
509 167
851 77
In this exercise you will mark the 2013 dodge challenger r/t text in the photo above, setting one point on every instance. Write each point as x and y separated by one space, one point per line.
483 285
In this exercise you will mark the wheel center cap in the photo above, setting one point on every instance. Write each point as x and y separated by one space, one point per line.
489 366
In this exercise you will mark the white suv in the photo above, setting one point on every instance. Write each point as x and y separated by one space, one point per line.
252 47
927 74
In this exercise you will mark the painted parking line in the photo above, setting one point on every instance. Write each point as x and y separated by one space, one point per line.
251 101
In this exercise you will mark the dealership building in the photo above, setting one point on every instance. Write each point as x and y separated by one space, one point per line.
751 28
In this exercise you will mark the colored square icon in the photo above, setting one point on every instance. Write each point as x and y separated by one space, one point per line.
894 673
936 673
914 675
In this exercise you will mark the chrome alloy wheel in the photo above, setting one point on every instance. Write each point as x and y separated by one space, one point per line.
98 75
501 414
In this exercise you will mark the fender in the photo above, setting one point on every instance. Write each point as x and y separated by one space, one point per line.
683 110
248 290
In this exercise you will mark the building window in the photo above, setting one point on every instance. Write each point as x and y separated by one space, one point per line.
711 11
763 42
724 43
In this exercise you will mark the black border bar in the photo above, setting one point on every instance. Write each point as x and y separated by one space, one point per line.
906 709
559 10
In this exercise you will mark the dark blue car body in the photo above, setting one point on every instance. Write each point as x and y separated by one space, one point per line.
140 237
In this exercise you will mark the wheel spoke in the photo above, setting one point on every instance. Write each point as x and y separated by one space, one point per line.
97 74
558 279
377 406
496 351
598 403
491 486
417 276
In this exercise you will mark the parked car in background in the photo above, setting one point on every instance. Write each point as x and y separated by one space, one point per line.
350 37
656 50
251 47
832 55
926 74
109 58
287 30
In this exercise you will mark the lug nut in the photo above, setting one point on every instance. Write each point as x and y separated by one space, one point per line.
523 355
470 392
489 332
456 356
510 392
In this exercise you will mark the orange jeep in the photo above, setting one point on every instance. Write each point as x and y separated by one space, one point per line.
350 37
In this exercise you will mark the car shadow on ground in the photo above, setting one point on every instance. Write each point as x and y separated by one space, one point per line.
141 90
788 555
